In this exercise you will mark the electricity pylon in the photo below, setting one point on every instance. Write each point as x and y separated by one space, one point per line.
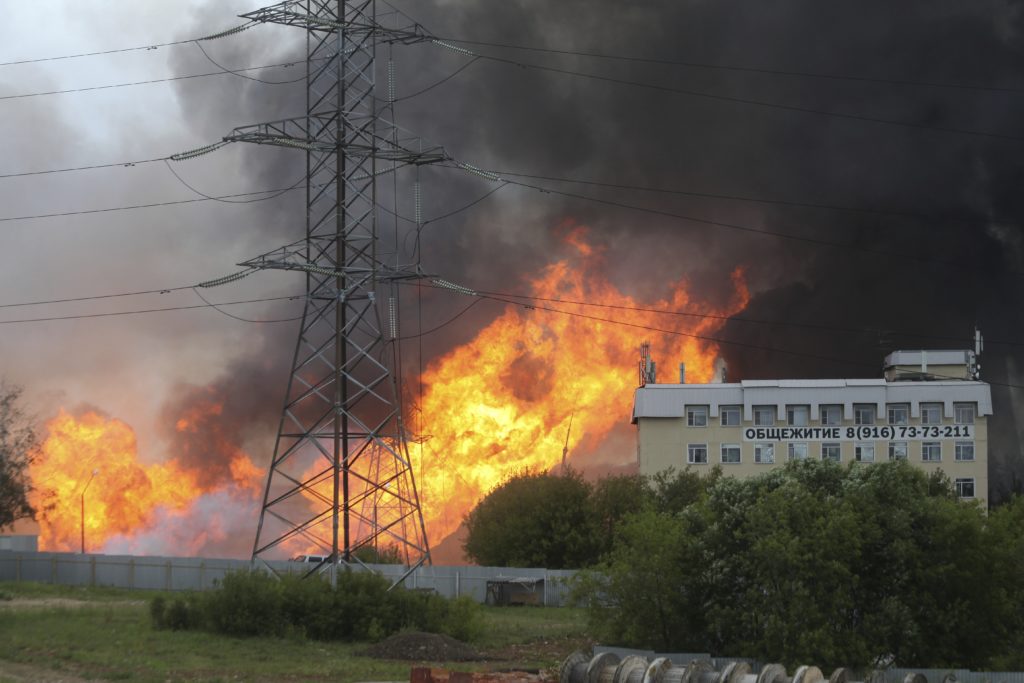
341 479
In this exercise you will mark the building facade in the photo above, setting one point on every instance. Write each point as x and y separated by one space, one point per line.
928 409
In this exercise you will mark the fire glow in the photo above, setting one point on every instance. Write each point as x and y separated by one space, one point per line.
125 496
499 404
503 402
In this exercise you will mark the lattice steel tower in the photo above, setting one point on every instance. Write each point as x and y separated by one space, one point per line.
341 479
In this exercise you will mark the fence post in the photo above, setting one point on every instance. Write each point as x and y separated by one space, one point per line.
131 574
53 569
92 571
17 568
167 581
544 591
202 573
458 583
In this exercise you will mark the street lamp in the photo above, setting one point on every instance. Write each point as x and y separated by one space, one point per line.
94 473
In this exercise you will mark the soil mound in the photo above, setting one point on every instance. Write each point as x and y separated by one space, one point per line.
427 647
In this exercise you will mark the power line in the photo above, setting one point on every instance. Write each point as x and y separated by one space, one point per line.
140 48
238 72
755 200
166 290
741 69
743 100
240 318
146 82
733 318
91 167
157 310
181 180
716 340
722 224
278 191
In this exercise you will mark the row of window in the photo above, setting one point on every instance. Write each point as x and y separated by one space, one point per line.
764 452
799 415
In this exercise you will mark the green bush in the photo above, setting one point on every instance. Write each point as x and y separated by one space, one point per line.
360 608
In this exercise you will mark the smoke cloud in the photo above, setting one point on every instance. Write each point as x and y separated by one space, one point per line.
924 222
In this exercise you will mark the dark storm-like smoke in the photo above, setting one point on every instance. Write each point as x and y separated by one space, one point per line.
933 247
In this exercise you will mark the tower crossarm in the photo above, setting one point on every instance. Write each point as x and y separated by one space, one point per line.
359 26
296 133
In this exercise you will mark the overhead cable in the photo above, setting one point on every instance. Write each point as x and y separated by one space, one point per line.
140 48
728 67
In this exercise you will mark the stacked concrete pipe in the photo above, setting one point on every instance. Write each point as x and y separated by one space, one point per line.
607 667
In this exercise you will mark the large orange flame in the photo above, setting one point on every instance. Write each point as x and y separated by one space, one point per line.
501 403
123 496
504 401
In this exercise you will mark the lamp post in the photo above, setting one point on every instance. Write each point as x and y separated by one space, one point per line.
94 473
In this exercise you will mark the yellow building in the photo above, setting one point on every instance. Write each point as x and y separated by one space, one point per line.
929 409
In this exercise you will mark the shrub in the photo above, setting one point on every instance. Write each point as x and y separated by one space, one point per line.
359 608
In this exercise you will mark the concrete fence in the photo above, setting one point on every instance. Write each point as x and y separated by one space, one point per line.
544 586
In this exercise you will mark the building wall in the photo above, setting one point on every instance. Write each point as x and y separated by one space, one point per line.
664 441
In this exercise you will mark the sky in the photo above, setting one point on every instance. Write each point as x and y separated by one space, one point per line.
894 170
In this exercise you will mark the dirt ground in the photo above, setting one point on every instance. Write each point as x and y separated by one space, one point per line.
11 672
419 647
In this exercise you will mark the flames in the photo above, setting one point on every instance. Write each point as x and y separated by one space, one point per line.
504 401
125 496
499 404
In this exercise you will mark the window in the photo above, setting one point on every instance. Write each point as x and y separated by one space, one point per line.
797 451
931 413
830 451
696 416
965 450
897 450
764 416
931 451
764 453
798 416
730 453
831 415
965 488
864 413
963 413
730 416
697 454
899 413
864 452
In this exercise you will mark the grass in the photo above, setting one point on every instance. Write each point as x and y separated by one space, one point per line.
110 637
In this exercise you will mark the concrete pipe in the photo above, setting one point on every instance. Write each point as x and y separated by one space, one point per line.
734 672
810 674
840 675
602 668
700 671
630 670
657 669
773 673
574 668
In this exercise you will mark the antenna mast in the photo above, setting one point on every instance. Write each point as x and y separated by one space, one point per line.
341 479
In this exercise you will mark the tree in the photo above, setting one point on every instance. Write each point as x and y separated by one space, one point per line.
534 520
840 566
18 445
612 499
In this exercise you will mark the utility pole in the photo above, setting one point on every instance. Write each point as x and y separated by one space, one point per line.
341 478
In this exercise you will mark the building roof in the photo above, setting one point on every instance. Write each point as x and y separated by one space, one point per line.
670 400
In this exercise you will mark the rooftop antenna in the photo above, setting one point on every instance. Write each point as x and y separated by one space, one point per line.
979 346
